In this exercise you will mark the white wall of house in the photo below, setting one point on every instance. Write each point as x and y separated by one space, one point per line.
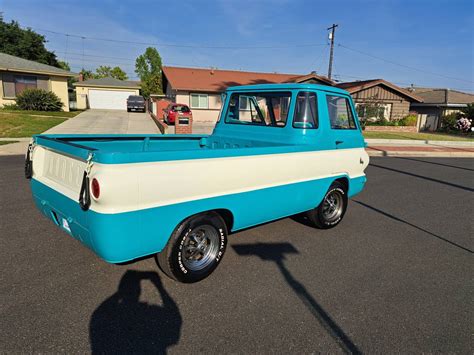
209 108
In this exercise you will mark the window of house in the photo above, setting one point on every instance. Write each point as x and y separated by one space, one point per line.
262 108
340 113
199 100
23 82
373 111
306 111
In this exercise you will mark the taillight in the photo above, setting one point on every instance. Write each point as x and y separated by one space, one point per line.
95 188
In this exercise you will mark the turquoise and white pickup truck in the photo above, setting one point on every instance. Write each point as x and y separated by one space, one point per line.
277 150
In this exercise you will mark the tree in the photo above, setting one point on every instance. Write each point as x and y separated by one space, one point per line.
105 71
148 67
64 65
87 74
468 111
24 43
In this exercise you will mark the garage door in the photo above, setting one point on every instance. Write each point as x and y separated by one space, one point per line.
109 99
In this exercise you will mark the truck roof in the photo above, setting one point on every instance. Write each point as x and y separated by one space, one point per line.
287 86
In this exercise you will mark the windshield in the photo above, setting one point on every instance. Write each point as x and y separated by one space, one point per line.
259 108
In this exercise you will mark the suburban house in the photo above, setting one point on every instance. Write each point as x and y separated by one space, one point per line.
105 93
18 74
201 89
438 103
379 98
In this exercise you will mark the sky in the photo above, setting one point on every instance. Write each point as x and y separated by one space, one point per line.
420 42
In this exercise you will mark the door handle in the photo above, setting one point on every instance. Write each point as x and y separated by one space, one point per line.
339 142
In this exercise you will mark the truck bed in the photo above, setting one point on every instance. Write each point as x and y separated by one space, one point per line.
116 149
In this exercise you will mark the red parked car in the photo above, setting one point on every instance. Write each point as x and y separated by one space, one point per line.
175 111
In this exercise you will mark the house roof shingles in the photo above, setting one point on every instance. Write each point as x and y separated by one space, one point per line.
109 82
16 64
443 96
355 86
216 80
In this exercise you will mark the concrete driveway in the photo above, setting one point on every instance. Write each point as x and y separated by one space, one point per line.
107 121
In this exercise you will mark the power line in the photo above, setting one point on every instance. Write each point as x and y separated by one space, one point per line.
403 65
176 45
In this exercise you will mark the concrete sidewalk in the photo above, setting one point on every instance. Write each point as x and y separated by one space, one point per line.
412 148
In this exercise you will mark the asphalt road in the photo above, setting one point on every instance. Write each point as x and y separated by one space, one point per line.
395 276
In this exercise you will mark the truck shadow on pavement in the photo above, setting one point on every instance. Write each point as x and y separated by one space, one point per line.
123 324
386 214
275 252
423 177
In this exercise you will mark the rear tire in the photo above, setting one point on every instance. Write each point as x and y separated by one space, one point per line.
195 248
332 208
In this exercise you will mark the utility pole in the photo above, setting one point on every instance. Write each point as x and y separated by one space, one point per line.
331 54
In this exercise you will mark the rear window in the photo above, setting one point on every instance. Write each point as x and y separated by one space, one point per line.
259 108
136 98
181 108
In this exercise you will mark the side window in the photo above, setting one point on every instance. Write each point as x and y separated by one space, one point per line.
306 111
340 114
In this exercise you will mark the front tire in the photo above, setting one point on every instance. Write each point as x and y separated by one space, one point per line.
332 208
195 248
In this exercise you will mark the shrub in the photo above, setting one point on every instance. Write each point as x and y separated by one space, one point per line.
448 122
464 124
409 120
38 100
468 111
10 107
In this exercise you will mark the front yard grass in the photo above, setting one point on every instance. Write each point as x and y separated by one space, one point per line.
7 142
44 113
17 124
417 136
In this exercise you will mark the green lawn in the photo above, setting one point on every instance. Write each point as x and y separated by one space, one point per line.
44 113
20 124
417 136
7 142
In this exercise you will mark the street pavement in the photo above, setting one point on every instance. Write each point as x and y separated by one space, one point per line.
394 277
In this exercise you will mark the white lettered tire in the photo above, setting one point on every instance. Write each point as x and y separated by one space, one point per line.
332 208
195 248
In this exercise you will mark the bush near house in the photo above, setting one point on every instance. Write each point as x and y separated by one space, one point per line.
409 120
448 122
38 100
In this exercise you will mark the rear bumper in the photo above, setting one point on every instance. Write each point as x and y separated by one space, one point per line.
113 237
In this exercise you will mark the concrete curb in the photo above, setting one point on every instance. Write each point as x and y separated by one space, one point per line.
421 154
163 127
419 142
23 139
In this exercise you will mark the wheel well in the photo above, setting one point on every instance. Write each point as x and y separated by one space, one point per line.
227 216
345 182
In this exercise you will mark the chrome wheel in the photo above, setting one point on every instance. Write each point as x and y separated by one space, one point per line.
200 247
333 205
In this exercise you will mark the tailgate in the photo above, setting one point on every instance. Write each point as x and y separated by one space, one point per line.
59 171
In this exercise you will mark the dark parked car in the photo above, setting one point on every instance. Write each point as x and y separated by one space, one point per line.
136 103
175 111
